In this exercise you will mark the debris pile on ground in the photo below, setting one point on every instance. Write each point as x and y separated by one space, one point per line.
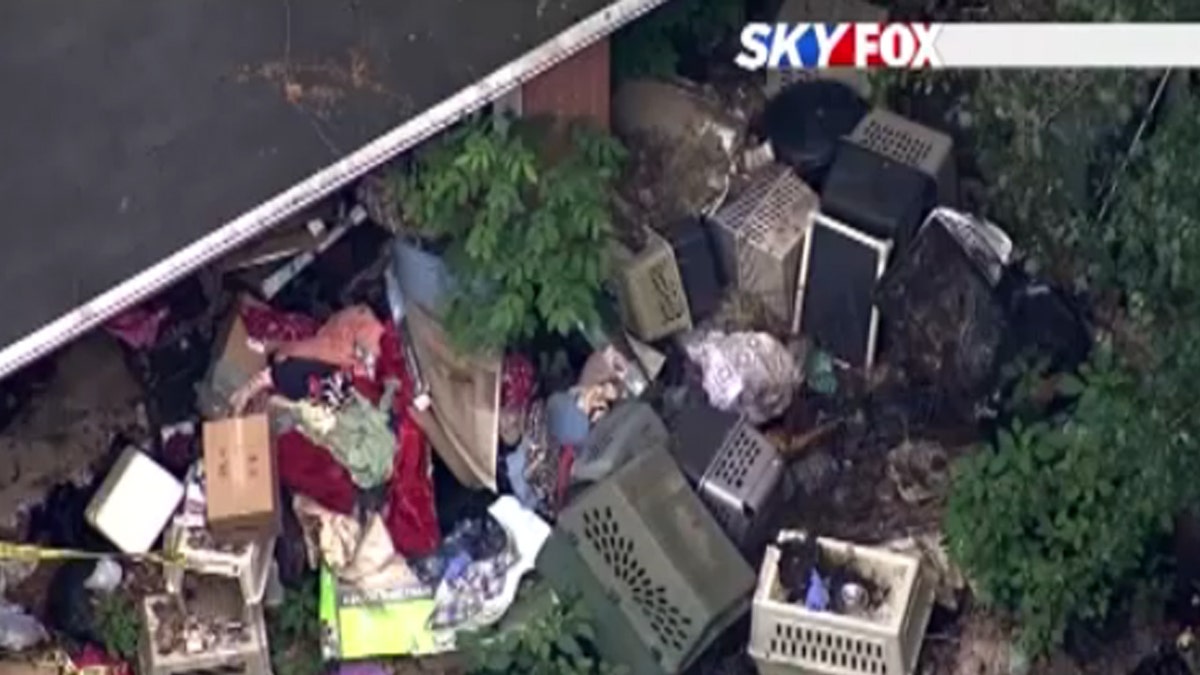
327 471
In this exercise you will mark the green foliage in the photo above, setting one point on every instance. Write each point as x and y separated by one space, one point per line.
526 228
650 46
118 625
1149 246
1057 518
294 631
557 641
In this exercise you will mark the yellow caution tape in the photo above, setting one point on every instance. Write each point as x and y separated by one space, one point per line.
30 552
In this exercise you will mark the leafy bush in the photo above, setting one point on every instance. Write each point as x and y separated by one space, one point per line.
650 46
526 224
558 641
118 625
1058 515
294 631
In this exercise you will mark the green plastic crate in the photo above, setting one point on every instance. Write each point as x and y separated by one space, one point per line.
653 566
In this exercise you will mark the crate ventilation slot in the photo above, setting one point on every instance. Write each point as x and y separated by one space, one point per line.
603 533
897 144
736 460
857 655
666 288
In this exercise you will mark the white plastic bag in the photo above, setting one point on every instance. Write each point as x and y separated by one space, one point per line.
751 373
18 630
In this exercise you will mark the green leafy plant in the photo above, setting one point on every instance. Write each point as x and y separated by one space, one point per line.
525 215
555 641
118 625
650 46
294 631
1058 517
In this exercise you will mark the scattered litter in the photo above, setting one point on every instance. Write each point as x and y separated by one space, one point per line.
19 631
749 372
106 577
920 471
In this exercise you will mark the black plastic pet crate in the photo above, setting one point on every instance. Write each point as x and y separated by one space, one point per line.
658 574
737 471
877 195
903 140
836 297
696 256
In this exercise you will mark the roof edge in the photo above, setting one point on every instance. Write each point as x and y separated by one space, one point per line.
300 196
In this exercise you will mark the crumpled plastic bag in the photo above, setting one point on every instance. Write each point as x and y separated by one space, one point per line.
18 631
750 373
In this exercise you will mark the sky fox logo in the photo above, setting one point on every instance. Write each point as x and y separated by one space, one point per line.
833 45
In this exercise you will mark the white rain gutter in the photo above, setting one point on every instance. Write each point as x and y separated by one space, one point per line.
321 184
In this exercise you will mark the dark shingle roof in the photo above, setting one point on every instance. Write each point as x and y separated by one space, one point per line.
131 128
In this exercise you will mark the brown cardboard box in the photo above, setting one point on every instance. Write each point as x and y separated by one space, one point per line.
241 478
234 364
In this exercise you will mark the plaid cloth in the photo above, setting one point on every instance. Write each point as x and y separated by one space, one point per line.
461 598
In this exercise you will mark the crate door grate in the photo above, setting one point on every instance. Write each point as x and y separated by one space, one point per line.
737 458
824 649
896 143
670 625
664 279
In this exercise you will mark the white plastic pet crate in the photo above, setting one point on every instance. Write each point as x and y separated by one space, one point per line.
903 140
629 429
760 236
744 484
242 650
650 290
787 638
197 552
825 11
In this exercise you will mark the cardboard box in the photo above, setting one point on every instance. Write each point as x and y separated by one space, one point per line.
241 478
234 364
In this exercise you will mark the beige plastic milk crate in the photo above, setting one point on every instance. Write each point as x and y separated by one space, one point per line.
787 638
249 563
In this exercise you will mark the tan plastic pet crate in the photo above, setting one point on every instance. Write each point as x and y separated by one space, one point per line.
249 563
236 645
649 289
787 638
903 140
760 237
825 11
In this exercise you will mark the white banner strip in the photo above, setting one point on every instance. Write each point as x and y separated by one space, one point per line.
1068 45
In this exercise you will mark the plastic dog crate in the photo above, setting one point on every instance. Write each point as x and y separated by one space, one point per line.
629 429
877 195
836 297
760 236
916 145
738 472
698 267
649 289
787 638
239 645
648 541
825 11
248 563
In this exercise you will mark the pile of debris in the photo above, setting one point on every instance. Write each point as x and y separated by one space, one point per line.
310 415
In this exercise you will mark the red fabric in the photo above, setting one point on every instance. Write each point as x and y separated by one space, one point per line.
138 327
267 324
92 656
411 516
566 460
517 382
309 469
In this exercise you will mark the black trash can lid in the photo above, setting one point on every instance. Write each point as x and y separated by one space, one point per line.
805 121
